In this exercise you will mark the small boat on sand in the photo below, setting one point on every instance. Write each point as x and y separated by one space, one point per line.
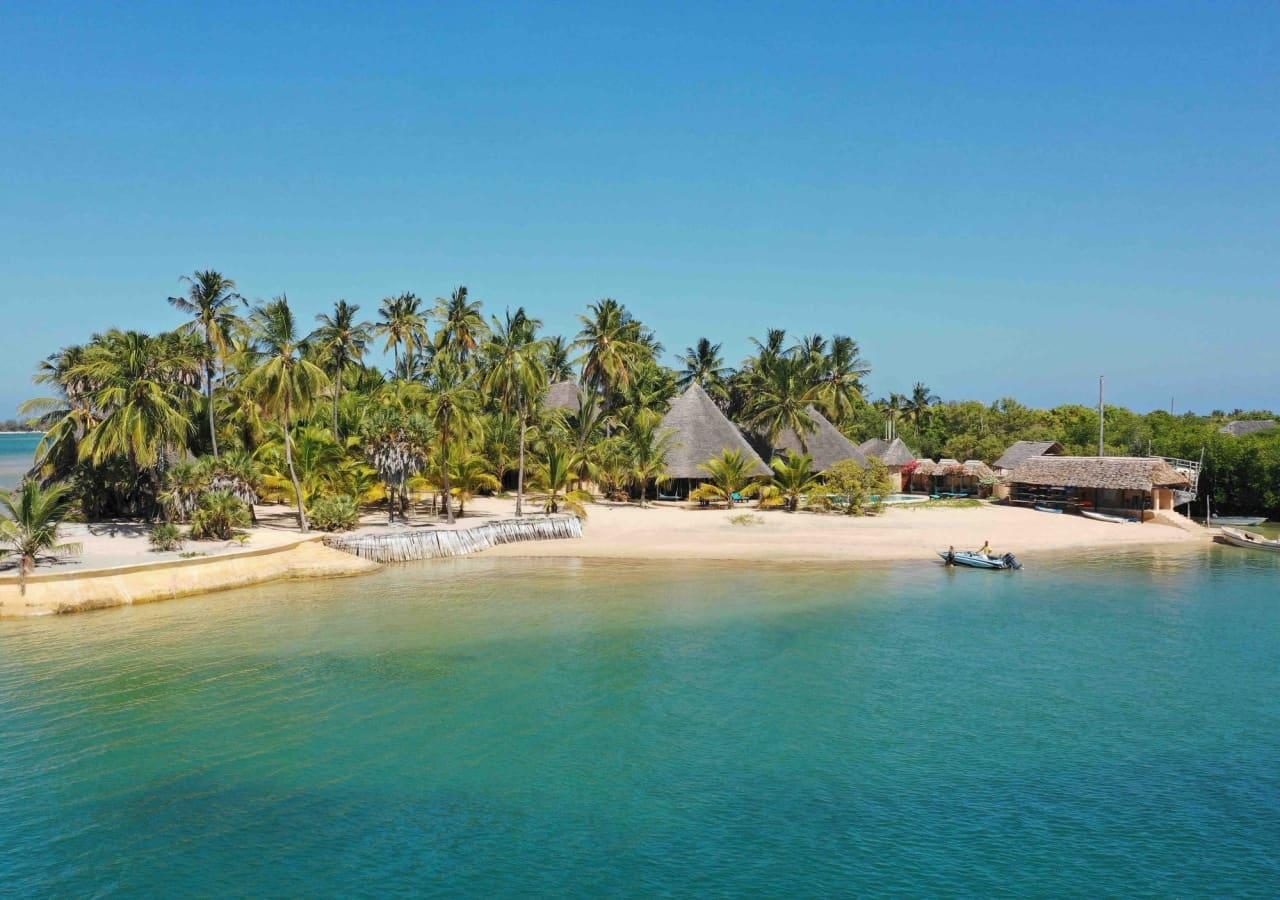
975 560
1050 509
1238 521
1249 540
1103 517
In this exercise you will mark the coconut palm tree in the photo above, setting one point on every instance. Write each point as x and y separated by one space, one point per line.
554 470
920 404
454 413
341 342
403 324
613 343
703 365
559 368
780 399
793 478
516 376
29 528
469 475
184 482
210 299
647 444
462 326
285 383
730 474
839 375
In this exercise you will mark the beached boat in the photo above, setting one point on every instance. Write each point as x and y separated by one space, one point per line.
1103 517
1049 509
975 560
1249 540
1238 521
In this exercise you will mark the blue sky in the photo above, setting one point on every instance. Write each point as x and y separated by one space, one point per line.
993 198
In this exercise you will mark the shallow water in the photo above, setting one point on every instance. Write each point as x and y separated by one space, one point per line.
17 452
489 727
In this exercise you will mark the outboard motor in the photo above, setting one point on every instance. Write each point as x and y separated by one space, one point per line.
1010 561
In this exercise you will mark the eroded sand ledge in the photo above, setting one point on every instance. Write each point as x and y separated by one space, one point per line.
78 591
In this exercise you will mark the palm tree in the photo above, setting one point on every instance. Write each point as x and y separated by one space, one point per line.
453 411
341 342
516 376
403 325
397 444
286 383
703 365
840 374
553 474
730 475
793 478
461 325
469 474
647 445
920 404
210 300
183 485
557 361
781 398
29 528
614 342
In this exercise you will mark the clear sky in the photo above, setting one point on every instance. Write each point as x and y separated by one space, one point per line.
992 198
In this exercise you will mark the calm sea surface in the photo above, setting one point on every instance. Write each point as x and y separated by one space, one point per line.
17 452
496 727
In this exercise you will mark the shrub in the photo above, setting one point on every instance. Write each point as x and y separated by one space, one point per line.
335 514
167 537
746 519
217 516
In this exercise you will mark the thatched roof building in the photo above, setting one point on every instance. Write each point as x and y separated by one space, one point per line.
701 432
1021 451
976 468
825 444
1242 427
893 454
1101 472
564 395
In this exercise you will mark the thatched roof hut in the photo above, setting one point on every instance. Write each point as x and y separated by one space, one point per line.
1021 451
825 444
701 432
925 468
1242 427
894 453
564 395
976 468
1103 472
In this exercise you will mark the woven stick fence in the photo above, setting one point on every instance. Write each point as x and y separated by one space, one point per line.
406 546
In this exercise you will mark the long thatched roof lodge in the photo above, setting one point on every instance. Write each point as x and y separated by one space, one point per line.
1020 451
1144 485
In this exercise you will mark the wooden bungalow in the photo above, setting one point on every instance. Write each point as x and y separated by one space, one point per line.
700 431
825 444
1113 484
1021 451
895 454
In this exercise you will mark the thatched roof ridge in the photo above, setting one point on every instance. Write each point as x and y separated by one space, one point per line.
564 395
976 468
1117 472
701 432
825 444
1024 450
1247 426
891 453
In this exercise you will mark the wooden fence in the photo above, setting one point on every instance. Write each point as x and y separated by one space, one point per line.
405 546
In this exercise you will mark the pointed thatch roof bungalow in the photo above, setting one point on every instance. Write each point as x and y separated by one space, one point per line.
825 444
1111 483
1023 450
1247 426
564 395
894 454
700 432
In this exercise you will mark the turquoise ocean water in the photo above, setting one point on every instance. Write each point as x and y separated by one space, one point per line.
495 727
16 454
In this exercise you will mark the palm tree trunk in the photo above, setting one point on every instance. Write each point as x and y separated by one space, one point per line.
448 489
520 474
208 393
293 474
337 395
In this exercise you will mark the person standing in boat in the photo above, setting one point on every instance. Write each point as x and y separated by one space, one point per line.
951 556
985 549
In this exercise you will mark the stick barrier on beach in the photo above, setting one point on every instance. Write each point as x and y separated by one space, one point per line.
406 546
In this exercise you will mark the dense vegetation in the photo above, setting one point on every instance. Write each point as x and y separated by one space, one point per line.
244 403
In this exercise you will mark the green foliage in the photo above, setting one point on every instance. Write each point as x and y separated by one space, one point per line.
746 519
852 487
729 474
217 516
166 537
793 478
29 521
338 513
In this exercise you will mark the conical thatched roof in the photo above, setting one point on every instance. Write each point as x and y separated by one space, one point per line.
563 395
1024 450
1119 472
825 444
701 431
891 453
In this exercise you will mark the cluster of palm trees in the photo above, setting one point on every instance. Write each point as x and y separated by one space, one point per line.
243 400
